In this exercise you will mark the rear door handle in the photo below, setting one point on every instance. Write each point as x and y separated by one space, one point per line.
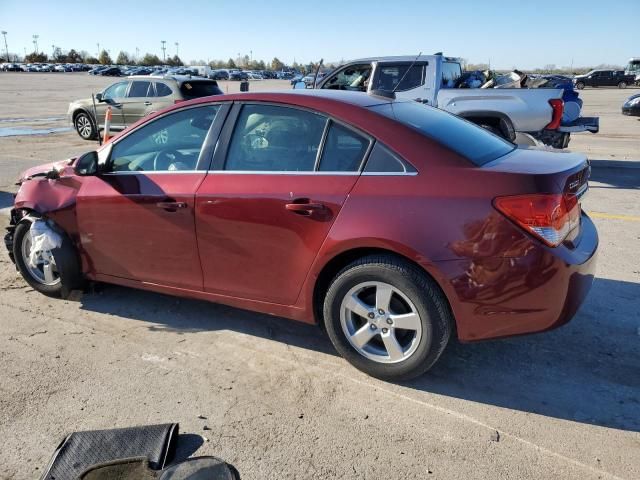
303 206
171 206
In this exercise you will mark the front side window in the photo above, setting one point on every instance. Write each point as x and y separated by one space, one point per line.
399 77
117 90
170 143
354 77
465 138
140 89
270 138
343 150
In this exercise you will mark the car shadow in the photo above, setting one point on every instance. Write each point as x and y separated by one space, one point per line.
615 174
587 371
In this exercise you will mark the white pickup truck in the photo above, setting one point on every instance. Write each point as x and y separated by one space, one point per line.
521 115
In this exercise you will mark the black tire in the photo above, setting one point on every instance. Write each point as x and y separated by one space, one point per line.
423 292
580 85
66 259
622 85
494 130
85 126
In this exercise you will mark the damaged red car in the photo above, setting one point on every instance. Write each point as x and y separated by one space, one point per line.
393 224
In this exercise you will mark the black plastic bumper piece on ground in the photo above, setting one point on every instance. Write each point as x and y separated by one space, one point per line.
82 450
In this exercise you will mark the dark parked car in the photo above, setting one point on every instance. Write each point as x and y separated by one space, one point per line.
97 70
111 72
11 67
394 224
238 75
632 106
603 78
219 75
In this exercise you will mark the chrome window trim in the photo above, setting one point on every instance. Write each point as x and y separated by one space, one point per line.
152 172
280 172
389 174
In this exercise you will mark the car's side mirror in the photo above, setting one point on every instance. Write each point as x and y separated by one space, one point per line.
87 164
299 85
99 97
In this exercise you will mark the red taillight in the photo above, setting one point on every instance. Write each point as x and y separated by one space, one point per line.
178 101
557 105
549 217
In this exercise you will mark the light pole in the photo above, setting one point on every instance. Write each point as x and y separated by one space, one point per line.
6 49
35 43
53 52
137 53
98 45
177 45
164 48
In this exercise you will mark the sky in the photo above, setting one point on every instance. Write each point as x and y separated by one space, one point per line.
515 33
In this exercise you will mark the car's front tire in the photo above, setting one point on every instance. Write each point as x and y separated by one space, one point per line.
57 272
387 317
85 126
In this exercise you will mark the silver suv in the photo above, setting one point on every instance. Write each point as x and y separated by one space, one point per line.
134 98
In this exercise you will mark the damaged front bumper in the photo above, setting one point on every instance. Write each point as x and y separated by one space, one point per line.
8 238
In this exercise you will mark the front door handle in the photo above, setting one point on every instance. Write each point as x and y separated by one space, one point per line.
171 206
303 206
148 103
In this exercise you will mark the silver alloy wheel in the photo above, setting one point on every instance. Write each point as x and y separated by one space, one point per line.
83 124
380 322
46 271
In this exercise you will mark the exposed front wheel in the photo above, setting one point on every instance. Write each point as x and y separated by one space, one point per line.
84 126
387 317
53 272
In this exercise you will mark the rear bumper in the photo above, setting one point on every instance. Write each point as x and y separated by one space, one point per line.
582 124
540 290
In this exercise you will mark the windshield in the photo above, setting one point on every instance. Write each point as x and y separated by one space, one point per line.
463 137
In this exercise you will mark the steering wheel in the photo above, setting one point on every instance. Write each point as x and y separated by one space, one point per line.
165 158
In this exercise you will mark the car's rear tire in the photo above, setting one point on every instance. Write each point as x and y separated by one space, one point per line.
65 273
622 85
580 85
85 126
387 291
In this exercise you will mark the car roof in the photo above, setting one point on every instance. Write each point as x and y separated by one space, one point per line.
402 58
304 97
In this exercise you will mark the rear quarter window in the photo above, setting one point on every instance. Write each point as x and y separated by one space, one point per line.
198 89
465 138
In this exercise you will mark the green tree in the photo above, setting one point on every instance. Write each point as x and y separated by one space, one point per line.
150 60
276 64
123 58
36 58
104 58
175 61
74 57
91 60
231 63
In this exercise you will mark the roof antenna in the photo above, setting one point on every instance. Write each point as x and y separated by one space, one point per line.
315 77
405 73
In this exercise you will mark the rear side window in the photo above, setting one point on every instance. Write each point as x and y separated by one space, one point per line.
199 89
140 89
451 71
275 139
343 150
388 77
472 142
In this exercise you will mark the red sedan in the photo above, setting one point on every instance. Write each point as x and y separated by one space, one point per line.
393 224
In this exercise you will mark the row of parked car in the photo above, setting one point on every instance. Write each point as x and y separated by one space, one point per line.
44 67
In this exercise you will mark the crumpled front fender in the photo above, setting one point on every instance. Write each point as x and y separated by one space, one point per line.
44 195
